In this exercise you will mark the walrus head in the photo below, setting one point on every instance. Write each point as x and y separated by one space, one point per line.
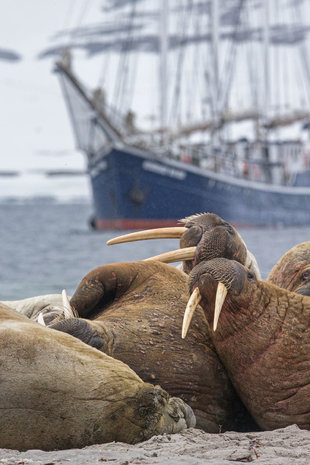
262 335
203 237
292 271
214 282
44 308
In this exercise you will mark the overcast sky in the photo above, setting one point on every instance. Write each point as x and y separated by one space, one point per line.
35 130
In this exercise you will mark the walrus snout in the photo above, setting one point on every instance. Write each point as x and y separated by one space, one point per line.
221 270
81 329
179 415
209 282
189 415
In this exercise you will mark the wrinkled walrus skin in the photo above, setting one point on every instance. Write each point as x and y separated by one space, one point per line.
292 271
58 393
208 234
137 310
213 237
263 339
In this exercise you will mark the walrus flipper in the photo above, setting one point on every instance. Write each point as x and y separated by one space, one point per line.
102 286
83 330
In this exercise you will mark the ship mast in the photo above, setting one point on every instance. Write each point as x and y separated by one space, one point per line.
215 66
266 44
215 57
164 38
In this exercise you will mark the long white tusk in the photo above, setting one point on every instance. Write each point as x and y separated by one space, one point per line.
191 306
221 293
187 253
40 319
158 233
68 312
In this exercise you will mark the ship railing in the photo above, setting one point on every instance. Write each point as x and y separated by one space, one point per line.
253 164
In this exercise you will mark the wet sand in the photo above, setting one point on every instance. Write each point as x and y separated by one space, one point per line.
287 446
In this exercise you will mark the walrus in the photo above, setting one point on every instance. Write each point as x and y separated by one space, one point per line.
59 393
133 312
44 308
262 335
204 236
292 271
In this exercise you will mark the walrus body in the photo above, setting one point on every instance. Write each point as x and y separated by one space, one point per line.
292 271
33 306
43 308
58 393
136 311
263 339
204 236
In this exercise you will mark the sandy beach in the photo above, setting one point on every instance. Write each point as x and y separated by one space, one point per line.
287 446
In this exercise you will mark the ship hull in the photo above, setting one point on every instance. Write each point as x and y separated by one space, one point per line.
133 189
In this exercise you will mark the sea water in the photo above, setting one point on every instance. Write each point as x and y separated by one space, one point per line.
48 246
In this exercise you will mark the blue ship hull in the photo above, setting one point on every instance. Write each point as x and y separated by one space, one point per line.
133 189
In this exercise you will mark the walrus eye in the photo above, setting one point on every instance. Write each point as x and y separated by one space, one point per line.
306 275
251 276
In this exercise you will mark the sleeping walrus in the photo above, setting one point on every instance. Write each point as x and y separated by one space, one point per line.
58 393
43 308
262 335
133 311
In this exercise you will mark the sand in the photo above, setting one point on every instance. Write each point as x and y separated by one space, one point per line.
287 446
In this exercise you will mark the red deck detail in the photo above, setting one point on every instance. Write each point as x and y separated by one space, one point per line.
127 224
134 224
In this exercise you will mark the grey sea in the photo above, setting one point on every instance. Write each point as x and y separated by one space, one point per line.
48 246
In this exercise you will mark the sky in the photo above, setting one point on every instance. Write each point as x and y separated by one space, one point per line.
33 119
36 133
35 130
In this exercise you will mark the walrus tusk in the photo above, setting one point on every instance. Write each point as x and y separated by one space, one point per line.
158 233
221 293
68 311
187 253
40 319
190 309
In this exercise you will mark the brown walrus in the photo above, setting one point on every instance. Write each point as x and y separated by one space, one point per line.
204 236
262 337
136 312
58 393
292 271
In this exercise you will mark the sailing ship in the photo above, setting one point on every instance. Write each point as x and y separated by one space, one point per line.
248 164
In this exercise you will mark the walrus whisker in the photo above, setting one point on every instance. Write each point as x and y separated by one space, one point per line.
189 311
221 293
187 253
158 233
